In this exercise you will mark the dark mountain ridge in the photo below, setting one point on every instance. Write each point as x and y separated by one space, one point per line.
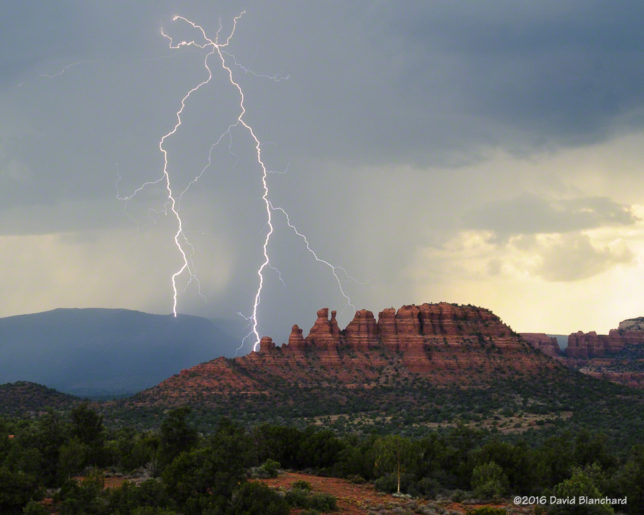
92 352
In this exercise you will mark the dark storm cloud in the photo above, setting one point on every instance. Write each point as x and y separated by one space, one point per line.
557 72
383 101
530 214
30 32
428 83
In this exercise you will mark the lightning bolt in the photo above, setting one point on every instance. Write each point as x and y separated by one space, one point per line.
61 71
180 239
334 269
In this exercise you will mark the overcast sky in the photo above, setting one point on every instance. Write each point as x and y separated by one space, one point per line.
473 152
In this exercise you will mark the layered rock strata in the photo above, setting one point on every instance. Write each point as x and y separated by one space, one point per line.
617 356
443 344
546 344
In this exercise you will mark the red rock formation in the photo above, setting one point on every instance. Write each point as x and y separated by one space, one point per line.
324 336
325 333
590 345
610 356
266 344
387 329
442 343
546 344
362 332
296 340
632 324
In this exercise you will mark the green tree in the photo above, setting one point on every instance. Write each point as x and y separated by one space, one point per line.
356 458
489 481
579 484
515 460
16 489
177 436
278 443
456 461
392 454
131 450
204 479
49 433
593 448
629 481
34 508
72 457
25 459
84 498
555 459
319 449
87 427
5 442
151 494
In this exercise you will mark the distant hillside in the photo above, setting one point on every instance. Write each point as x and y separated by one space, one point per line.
92 352
23 398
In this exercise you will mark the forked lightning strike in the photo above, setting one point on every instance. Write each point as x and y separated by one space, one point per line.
333 268
180 239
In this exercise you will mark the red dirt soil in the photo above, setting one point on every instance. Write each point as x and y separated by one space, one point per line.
359 499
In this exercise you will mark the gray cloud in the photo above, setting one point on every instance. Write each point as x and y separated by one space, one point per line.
575 258
541 75
374 82
383 104
530 214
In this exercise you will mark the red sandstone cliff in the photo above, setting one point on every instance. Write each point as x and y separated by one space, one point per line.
593 345
444 344
546 344
617 356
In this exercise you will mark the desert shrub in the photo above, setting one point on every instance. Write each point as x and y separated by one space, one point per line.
581 483
488 510
302 498
458 495
268 469
424 487
302 485
16 488
297 498
84 497
323 502
34 508
149 494
256 498
489 480
389 483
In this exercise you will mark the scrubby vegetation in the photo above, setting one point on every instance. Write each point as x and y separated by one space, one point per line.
176 469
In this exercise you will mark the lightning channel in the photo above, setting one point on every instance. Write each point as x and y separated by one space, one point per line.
180 239
216 47
334 269
184 248
61 71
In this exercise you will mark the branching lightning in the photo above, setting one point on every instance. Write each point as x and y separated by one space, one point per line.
334 269
61 71
173 202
